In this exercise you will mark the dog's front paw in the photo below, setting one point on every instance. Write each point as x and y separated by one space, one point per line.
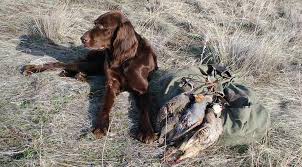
146 137
99 132
29 69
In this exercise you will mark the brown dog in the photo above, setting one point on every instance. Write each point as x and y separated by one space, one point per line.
126 59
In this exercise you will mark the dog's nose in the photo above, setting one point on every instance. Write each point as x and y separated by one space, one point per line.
84 39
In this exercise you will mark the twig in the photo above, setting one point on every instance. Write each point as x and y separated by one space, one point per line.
166 128
103 150
12 153
203 50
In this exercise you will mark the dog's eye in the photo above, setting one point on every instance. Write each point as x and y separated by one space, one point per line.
101 27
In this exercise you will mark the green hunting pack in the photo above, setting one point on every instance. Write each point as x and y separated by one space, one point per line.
244 119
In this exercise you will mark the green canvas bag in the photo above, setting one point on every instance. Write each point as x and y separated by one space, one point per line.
245 119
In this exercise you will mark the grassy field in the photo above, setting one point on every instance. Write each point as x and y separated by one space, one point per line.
45 120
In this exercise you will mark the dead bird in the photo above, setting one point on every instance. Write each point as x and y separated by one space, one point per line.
201 139
191 117
169 115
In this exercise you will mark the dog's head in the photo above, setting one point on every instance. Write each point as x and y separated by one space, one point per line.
114 31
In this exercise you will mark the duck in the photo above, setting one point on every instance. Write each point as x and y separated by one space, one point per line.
169 115
193 116
177 123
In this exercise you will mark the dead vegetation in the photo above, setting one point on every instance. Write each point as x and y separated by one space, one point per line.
46 120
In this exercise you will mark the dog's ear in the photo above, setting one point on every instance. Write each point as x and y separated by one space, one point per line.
125 43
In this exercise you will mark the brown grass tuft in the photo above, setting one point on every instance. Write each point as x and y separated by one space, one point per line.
55 24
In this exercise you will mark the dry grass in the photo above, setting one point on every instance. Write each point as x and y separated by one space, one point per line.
56 25
45 120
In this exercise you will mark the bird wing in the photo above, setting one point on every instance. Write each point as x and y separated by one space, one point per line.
171 109
192 118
